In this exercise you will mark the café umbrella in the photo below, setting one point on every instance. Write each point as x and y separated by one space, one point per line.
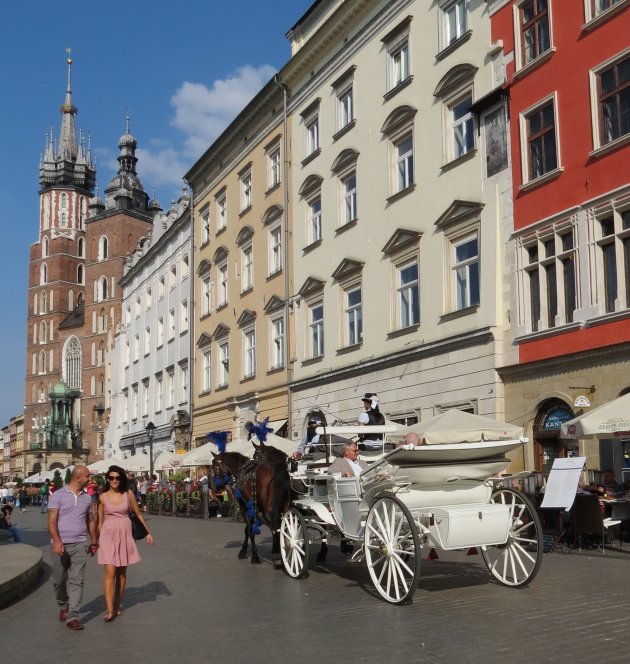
612 420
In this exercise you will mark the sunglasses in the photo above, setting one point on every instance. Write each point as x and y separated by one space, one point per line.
113 478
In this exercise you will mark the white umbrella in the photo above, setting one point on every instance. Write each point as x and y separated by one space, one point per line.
168 461
33 479
137 463
101 466
456 426
202 455
612 420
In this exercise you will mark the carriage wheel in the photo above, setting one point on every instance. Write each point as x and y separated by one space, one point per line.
294 544
516 562
392 550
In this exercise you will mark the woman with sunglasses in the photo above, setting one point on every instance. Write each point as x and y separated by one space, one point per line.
116 546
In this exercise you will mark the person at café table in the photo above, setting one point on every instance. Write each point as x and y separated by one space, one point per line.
610 486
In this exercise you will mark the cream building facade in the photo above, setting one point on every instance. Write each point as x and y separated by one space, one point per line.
401 210
241 284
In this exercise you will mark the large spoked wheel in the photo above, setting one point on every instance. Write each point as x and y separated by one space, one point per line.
516 562
392 550
294 544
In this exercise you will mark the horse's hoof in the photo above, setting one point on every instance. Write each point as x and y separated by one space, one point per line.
255 560
242 555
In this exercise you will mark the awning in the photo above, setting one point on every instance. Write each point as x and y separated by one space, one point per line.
276 425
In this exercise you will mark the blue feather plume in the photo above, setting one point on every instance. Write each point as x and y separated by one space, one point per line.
219 438
261 430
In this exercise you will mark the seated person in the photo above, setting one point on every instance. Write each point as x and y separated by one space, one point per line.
5 523
350 465
371 416
610 486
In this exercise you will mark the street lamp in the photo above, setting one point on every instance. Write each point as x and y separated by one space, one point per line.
150 429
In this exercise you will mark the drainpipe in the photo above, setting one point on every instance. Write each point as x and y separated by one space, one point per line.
287 284
191 316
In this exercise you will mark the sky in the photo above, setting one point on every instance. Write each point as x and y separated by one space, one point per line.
182 70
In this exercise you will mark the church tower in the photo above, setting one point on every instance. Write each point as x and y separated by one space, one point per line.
74 297
56 288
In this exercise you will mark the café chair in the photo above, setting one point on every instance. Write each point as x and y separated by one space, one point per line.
590 520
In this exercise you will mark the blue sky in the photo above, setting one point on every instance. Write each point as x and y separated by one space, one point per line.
182 70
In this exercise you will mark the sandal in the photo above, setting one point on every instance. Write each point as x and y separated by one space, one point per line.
109 616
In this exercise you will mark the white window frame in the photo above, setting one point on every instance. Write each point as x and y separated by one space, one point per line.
453 22
170 387
159 391
222 283
277 342
404 311
223 367
183 383
466 122
274 167
275 248
345 106
311 127
521 63
205 226
349 213
316 329
246 190
249 352
593 9
523 125
145 397
134 401
206 371
247 267
398 62
206 295
221 205
596 116
402 180
461 289
353 316
314 219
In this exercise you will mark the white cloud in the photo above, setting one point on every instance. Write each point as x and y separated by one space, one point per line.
202 113
164 167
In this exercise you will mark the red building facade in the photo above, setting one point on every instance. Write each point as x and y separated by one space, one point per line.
568 72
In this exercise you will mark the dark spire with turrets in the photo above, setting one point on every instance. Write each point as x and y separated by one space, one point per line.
67 163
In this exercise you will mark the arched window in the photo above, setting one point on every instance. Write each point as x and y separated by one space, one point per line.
102 289
43 274
43 301
81 248
35 304
42 332
42 362
102 248
72 363
80 274
80 298
45 246
102 321
64 211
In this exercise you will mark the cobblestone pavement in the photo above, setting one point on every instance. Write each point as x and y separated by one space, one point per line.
191 599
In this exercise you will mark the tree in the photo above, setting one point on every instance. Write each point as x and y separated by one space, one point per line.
68 476
57 481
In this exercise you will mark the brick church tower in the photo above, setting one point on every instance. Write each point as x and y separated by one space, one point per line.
74 301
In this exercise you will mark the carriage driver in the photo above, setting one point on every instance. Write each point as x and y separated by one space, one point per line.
309 444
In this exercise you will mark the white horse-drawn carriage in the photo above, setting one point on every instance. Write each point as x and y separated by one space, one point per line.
412 499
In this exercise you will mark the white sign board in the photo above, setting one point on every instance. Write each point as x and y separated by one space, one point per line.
562 482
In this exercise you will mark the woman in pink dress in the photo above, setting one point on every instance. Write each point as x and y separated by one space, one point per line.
116 547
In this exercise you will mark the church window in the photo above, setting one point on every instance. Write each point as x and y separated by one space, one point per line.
103 248
102 289
81 248
80 274
72 363
35 302
45 247
42 332
42 362
43 302
43 274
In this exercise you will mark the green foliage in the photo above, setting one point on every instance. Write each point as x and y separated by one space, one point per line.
178 477
20 482
57 481
68 476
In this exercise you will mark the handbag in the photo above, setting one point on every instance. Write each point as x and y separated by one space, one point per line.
138 529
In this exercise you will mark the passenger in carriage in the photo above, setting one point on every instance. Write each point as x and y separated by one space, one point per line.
412 438
371 416
350 465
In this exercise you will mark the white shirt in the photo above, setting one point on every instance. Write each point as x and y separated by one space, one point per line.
356 467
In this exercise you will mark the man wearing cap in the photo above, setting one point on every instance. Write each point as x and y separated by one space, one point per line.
310 440
371 416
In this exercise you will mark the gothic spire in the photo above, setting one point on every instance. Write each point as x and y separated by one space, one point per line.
68 136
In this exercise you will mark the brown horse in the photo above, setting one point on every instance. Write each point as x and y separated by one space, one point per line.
262 490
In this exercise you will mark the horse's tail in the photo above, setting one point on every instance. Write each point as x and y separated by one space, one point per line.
281 494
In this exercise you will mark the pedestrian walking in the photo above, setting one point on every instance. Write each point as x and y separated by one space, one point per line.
44 491
22 495
117 548
73 534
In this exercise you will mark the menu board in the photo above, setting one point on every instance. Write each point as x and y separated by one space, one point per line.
562 482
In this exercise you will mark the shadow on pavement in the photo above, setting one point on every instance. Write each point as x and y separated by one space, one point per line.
133 595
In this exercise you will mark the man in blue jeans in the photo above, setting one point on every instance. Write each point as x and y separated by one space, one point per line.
70 521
